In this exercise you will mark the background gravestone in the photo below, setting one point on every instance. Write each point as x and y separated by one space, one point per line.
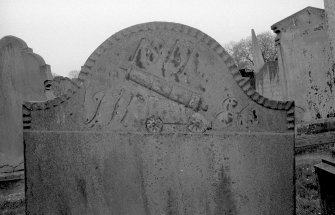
61 84
304 50
24 76
161 123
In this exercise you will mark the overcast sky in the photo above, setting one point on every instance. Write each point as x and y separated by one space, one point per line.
66 32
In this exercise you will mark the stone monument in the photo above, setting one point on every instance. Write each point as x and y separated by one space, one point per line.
161 123
24 76
303 52
60 85
257 56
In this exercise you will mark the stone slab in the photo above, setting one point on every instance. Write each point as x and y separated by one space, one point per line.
99 173
24 76
161 123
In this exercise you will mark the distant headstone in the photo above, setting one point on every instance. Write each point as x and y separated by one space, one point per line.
257 56
24 76
268 82
303 58
60 85
162 123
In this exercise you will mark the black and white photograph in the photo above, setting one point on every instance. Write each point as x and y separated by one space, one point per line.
167 107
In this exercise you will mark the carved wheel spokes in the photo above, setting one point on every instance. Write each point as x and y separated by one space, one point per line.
154 124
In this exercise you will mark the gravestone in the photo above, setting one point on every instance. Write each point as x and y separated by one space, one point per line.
326 176
24 76
303 55
161 123
60 85
256 53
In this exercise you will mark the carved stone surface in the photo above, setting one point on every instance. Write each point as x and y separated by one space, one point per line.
154 124
326 176
162 123
24 76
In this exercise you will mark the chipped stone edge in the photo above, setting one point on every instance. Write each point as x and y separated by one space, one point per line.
244 84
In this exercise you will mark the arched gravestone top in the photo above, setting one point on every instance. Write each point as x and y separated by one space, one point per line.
24 76
176 63
30 75
161 122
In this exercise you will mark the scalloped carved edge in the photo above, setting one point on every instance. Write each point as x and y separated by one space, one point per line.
244 83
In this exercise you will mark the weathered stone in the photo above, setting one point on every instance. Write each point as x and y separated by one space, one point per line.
257 56
24 76
268 82
326 177
303 49
60 85
160 126
267 79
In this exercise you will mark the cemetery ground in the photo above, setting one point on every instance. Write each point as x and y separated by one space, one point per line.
307 196
12 200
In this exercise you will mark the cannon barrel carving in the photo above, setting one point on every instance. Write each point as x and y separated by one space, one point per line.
170 91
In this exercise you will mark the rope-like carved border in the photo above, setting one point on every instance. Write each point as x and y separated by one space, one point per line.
200 36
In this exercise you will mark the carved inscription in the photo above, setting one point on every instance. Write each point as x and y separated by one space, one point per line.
173 68
147 53
103 106
177 59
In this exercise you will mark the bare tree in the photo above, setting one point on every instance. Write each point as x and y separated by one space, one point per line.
241 51
73 74
54 74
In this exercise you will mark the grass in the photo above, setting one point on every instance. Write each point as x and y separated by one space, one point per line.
307 196
12 199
